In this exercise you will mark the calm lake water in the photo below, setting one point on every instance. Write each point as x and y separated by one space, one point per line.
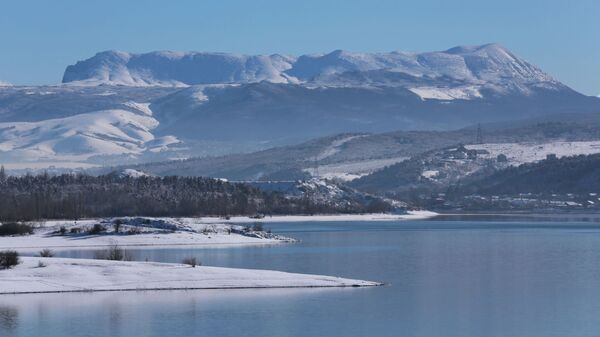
446 278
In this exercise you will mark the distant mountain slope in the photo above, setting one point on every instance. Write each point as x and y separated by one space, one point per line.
39 103
436 170
350 156
267 111
344 156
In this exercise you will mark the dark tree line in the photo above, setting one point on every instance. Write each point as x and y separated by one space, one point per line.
80 196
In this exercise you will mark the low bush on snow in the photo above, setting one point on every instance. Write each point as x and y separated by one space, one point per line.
9 259
192 261
113 253
13 228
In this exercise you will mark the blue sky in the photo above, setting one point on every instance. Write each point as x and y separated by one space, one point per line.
40 38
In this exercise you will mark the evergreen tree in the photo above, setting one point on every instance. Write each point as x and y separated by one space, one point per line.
2 174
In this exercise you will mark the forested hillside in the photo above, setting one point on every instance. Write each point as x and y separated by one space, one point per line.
79 196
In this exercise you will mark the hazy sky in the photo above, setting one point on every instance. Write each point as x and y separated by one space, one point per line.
40 38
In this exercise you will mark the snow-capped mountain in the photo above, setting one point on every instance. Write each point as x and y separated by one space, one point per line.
119 107
490 65
459 72
176 68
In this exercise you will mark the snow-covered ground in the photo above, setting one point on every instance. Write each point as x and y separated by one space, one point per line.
430 173
159 232
520 153
335 147
348 171
447 94
46 275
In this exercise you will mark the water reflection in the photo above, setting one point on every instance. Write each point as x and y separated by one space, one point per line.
9 318
524 217
165 313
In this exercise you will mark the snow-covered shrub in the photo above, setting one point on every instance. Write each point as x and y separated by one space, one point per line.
113 253
46 253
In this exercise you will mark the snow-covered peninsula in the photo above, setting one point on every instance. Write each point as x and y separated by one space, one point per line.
51 275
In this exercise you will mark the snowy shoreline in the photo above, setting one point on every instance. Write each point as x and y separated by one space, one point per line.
61 275
36 242
147 233
180 232
411 215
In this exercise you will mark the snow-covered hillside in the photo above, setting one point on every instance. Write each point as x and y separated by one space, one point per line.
347 171
81 137
454 165
450 165
520 153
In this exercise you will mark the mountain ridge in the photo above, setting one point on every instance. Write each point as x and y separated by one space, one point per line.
489 64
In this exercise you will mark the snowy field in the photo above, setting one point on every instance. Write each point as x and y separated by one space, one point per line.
448 94
348 171
159 232
520 153
48 275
